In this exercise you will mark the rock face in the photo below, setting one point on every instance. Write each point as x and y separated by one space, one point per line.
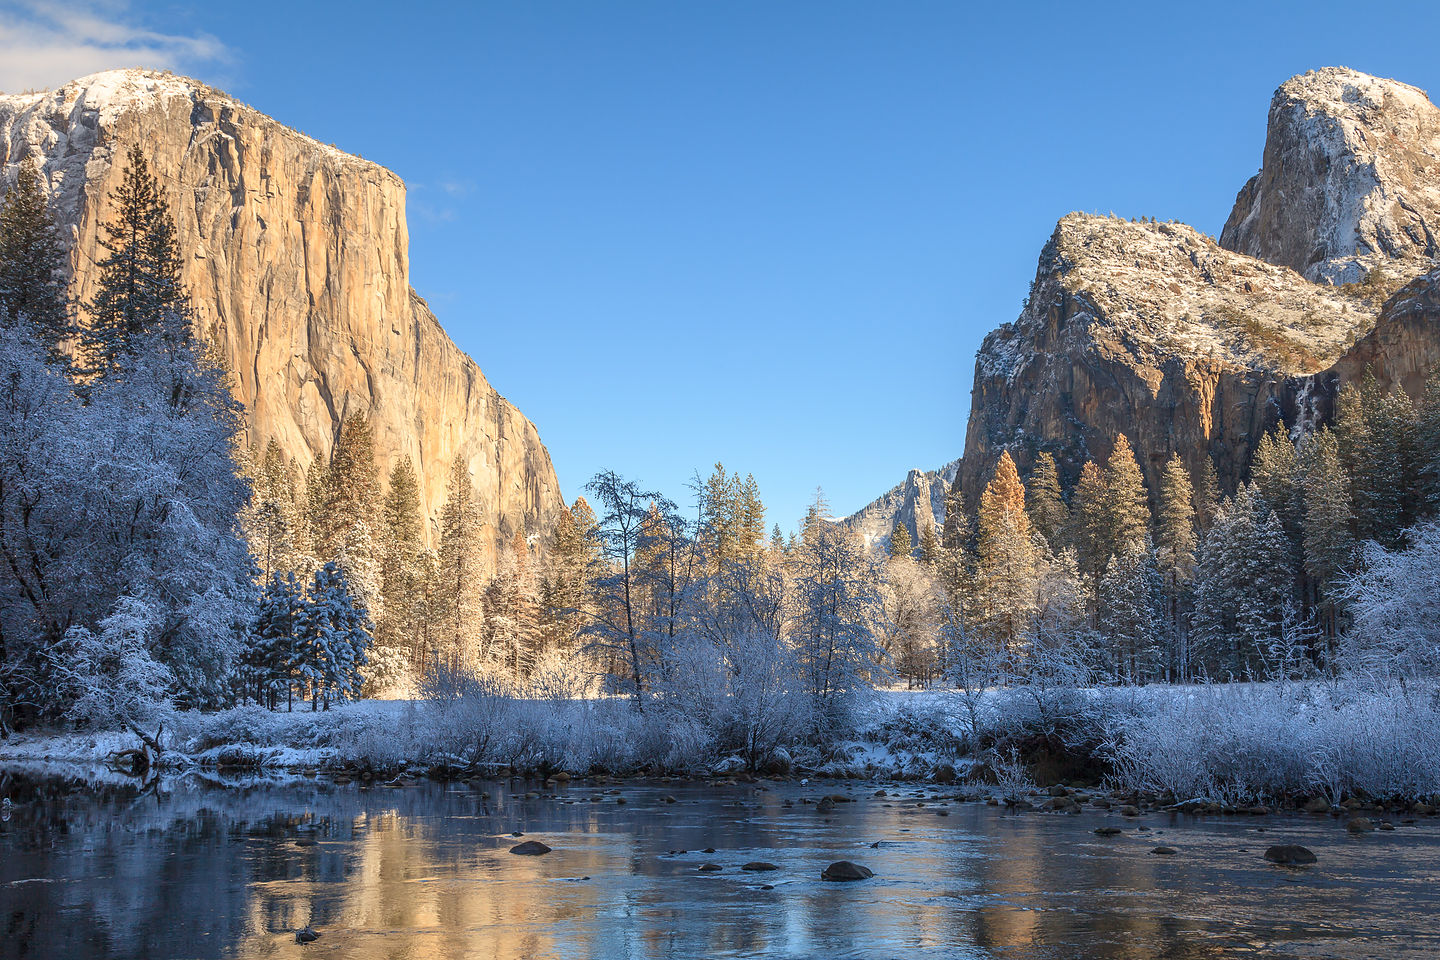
917 503
1350 178
1191 346
297 261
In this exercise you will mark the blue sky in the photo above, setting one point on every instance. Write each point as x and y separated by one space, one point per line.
771 234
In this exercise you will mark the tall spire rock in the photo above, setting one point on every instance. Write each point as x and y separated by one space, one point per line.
1350 178
296 257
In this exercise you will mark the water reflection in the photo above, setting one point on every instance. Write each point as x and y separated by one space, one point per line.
195 870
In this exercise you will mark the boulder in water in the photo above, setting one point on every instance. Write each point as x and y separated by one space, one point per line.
843 870
1289 854
530 848
306 935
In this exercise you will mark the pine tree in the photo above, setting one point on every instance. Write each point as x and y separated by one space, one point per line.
1090 521
1007 562
1175 544
777 543
139 285
1048 512
900 542
1128 616
1207 493
1329 549
571 566
752 518
1127 507
401 591
459 581
929 546
334 638
272 656
32 264
1242 587
1427 449
270 521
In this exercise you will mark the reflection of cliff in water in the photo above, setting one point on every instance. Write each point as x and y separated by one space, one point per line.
195 870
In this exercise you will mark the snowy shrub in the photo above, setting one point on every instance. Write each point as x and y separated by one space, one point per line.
1395 606
1243 743
109 678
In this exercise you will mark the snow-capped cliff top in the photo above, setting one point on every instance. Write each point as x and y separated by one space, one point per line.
110 94
1155 290
1350 178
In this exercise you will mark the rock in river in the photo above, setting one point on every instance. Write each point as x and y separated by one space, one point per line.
1289 854
530 848
845 870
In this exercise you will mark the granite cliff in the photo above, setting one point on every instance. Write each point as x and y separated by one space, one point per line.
1195 346
297 262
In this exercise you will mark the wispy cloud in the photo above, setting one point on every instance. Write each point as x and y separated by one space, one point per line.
44 43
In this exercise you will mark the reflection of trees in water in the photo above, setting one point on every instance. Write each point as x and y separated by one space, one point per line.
199 871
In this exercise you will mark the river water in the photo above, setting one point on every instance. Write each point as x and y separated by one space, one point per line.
201 870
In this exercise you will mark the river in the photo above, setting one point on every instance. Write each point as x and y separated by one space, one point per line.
198 869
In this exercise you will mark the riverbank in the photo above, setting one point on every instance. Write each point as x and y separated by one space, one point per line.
1213 748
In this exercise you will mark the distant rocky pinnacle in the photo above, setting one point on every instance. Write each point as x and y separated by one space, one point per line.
297 258
918 502
1192 346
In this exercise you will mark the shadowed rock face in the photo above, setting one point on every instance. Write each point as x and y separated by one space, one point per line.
1350 178
299 268
1195 347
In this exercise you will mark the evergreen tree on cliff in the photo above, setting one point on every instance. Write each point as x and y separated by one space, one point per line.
139 287
900 542
32 264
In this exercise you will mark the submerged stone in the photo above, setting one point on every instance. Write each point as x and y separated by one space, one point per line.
843 870
530 848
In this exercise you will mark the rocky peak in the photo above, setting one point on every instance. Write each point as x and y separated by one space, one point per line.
917 502
1191 346
297 259
1350 178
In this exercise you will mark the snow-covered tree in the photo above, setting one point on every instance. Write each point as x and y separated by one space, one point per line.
334 638
1007 566
271 658
1242 587
1128 617
837 612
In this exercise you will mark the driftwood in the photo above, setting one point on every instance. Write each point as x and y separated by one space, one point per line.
138 761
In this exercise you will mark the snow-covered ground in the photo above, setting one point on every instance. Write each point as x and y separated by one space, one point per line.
1234 743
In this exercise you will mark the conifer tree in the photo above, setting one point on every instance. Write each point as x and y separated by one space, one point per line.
1207 493
32 264
1128 616
1127 507
459 583
139 286
1328 547
272 655
270 521
929 546
572 563
1175 544
334 638
401 589
900 543
777 543
1089 521
1242 587
752 517
1007 562
1048 512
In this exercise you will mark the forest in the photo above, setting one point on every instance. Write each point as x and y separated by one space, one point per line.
156 563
